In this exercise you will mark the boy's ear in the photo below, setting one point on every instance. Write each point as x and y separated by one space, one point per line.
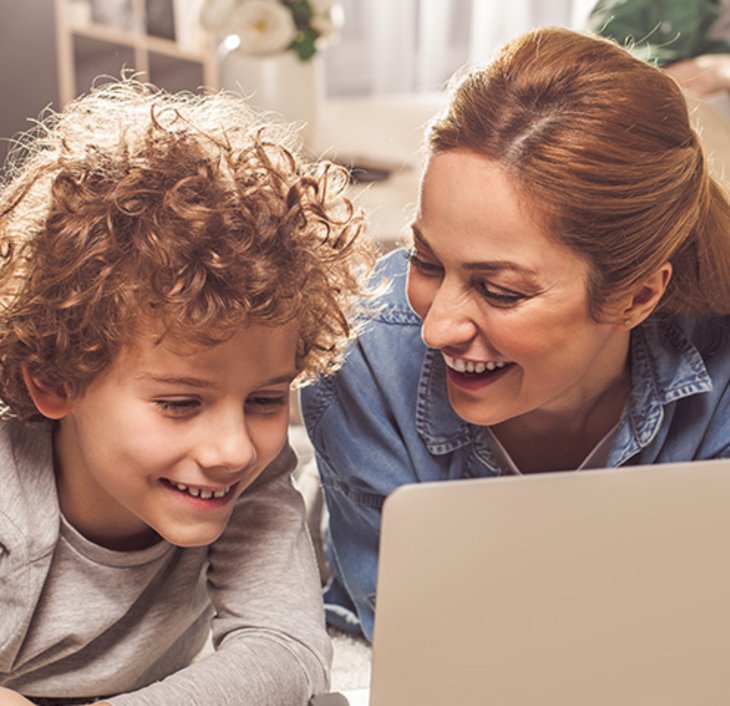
645 297
52 401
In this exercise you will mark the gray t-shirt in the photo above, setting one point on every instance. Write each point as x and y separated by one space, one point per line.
82 620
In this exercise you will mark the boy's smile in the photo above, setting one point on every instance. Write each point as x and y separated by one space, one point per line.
162 443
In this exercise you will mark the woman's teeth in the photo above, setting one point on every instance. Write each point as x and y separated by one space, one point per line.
470 366
201 492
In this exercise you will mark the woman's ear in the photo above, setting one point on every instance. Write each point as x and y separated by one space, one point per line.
645 297
52 401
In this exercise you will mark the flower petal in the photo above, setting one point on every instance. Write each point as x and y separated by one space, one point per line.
264 27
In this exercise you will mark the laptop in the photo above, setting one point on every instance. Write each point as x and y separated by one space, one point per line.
599 588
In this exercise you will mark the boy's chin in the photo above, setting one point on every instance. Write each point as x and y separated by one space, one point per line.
189 539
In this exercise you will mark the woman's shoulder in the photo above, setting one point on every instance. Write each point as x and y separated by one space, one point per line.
710 335
691 348
384 362
390 305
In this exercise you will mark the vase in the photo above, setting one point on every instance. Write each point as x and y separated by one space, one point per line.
282 83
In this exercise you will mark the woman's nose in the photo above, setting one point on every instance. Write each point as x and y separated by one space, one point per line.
448 322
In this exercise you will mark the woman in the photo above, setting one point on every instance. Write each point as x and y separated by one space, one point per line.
564 305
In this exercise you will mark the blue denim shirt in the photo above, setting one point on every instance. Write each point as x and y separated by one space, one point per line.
385 420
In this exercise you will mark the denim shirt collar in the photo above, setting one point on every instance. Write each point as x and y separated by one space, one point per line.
439 426
665 367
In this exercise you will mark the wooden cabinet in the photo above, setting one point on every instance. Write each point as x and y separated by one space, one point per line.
99 39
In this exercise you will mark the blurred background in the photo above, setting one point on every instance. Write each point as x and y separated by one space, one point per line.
360 78
51 50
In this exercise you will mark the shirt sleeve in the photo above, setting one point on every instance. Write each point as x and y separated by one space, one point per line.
271 647
362 456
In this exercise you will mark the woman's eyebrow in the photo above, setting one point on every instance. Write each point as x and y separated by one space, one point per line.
498 266
486 265
418 237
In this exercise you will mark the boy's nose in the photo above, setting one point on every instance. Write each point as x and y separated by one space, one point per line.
227 446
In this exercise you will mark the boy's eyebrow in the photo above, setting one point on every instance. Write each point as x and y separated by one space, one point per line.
177 380
287 378
207 384
488 265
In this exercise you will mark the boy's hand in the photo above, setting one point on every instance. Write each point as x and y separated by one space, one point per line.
8 697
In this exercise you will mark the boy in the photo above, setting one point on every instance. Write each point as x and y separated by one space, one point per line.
167 270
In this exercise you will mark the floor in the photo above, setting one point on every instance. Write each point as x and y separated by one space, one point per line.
351 663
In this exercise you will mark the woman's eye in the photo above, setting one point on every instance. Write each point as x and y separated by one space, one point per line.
265 404
503 297
178 407
427 268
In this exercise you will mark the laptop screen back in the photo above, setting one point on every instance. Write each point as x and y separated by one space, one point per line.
566 589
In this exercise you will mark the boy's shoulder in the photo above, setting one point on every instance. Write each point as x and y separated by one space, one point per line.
29 502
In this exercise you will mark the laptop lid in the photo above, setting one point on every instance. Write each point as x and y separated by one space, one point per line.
563 589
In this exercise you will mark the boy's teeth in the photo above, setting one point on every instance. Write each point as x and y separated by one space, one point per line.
200 493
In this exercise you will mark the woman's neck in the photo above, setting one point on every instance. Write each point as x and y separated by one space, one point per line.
553 440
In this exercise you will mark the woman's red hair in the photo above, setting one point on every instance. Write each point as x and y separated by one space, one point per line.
600 146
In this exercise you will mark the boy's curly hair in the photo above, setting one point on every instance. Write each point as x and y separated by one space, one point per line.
136 208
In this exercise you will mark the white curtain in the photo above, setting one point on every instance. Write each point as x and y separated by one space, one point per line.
397 46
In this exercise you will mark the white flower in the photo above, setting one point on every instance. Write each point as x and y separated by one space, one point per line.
269 27
264 27
216 14
322 7
328 18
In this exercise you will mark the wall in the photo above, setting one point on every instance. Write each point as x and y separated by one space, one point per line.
27 65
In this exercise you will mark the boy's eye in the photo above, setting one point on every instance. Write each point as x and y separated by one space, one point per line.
178 407
498 297
421 264
266 404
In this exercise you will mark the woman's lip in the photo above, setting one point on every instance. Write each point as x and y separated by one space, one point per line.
471 382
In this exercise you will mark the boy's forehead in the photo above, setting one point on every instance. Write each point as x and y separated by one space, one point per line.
264 350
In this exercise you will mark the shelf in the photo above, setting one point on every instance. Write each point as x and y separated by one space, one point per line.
88 49
148 42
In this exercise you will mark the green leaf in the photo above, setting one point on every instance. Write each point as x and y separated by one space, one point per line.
306 48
